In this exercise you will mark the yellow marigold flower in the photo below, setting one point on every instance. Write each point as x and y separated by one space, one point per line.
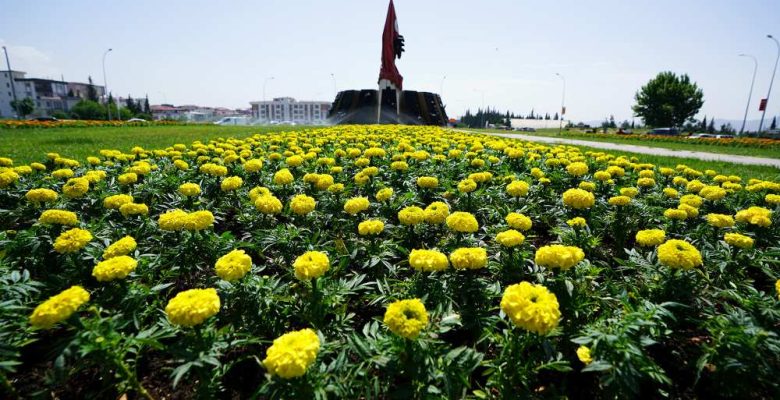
712 193
720 220
231 183
411 215
356 205
691 200
128 178
629 192
469 258
58 217
41 195
311 264
38 166
72 241
619 200
253 165
189 189
578 199
116 201
679 254
213 169
114 268
537 173
371 227
772 199
198 220
672 213
756 216
172 220
559 256
268 204
437 212
650 237
292 354
645 182
192 307
602 176
467 186
670 193
6 162
519 221
336 188
384 194
428 260
463 222
510 238
589 186
283 177
577 222
517 188
75 187
777 288
302 204
577 169
738 240
583 354
121 247
134 209
233 266
691 211
62 173
427 182
181 165
406 318
95 176
258 191
694 186
531 307
59 307
399 166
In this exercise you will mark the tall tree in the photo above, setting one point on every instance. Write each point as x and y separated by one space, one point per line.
91 91
668 100
711 126
147 110
23 107
773 125
555 117
704 123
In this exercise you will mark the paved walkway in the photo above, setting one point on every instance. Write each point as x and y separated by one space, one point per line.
701 155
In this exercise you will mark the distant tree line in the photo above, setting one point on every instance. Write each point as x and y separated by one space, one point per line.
495 117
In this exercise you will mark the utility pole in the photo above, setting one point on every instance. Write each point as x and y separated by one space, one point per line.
750 93
105 84
11 76
771 81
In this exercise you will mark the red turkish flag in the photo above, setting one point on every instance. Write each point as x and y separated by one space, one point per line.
389 36
762 105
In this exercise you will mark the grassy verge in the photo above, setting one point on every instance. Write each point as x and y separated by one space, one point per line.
28 145
636 140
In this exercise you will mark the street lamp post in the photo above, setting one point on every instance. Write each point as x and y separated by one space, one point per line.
563 105
771 81
335 88
11 77
750 93
268 108
105 84
441 87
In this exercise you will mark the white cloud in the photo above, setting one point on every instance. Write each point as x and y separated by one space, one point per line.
34 62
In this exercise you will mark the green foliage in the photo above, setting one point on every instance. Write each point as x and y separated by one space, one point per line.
23 107
668 100
88 109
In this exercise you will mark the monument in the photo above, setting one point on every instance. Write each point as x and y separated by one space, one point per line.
389 103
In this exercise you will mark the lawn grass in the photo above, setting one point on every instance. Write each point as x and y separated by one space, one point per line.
28 145
635 140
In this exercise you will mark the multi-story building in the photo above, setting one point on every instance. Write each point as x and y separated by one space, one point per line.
286 109
23 90
47 94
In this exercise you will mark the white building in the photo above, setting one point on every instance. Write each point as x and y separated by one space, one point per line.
286 109
24 89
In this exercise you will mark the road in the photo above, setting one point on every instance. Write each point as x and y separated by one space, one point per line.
701 155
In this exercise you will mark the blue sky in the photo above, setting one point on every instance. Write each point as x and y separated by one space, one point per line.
220 53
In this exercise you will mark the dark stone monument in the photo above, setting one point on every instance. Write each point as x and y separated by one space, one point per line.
390 104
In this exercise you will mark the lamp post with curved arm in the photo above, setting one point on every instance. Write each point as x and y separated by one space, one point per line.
750 93
771 81
105 84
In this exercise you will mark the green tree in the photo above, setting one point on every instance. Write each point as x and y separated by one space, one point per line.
668 100
704 124
711 127
23 107
146 106
91 91
773 125
88 109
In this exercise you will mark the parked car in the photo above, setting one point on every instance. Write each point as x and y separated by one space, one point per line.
136 120
49 119
664 131
724 136
701 136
